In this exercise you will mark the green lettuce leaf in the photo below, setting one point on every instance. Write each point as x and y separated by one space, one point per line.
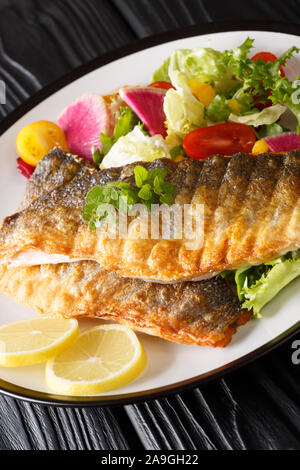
266 116
134 147
257 285
162 73
201 64
218 110
183 111
271 129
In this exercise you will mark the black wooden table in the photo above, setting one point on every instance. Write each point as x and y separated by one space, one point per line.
257 407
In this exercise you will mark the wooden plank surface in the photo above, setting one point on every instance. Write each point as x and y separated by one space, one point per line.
256 407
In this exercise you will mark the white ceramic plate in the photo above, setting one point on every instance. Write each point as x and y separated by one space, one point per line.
170 366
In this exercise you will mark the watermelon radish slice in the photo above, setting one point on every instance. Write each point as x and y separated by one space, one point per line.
24 168
148 105
283 142
83 121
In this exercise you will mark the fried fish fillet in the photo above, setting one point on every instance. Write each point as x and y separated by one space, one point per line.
200 313
252 214
204 313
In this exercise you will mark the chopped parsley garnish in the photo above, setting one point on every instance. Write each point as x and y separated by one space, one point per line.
151 188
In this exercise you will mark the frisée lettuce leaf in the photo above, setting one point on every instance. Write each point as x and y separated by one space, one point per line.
257 285
258 78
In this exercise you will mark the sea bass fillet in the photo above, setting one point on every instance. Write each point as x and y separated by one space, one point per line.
204 313
199 313
251 215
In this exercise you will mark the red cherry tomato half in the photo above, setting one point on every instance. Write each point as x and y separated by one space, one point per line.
162 84
224 139
267 57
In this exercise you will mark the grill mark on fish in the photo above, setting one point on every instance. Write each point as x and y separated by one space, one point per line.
231 196
284 205
261 187
206 193
53 223
199 313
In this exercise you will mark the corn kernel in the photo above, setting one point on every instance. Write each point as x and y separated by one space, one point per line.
234 105
260 146
203 91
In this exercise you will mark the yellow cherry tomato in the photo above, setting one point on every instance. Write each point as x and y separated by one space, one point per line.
234 105
260 146
179 158
203 91
37 139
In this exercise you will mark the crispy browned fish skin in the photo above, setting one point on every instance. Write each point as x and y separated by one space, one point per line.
55 169
200 313
204 313
242 204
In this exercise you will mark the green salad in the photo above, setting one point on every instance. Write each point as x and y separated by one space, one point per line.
241 88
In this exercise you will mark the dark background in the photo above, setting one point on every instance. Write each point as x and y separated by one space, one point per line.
257 407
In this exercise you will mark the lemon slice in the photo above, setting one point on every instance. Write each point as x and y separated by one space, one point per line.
35 340
102 358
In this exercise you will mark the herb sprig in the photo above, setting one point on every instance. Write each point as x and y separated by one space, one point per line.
151 188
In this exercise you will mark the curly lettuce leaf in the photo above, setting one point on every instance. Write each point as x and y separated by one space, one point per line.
257 285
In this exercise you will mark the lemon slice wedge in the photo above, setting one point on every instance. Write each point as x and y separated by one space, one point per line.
102 358
35 340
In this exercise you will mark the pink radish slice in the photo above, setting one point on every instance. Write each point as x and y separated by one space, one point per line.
148 105
283 142
83 121
24 168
